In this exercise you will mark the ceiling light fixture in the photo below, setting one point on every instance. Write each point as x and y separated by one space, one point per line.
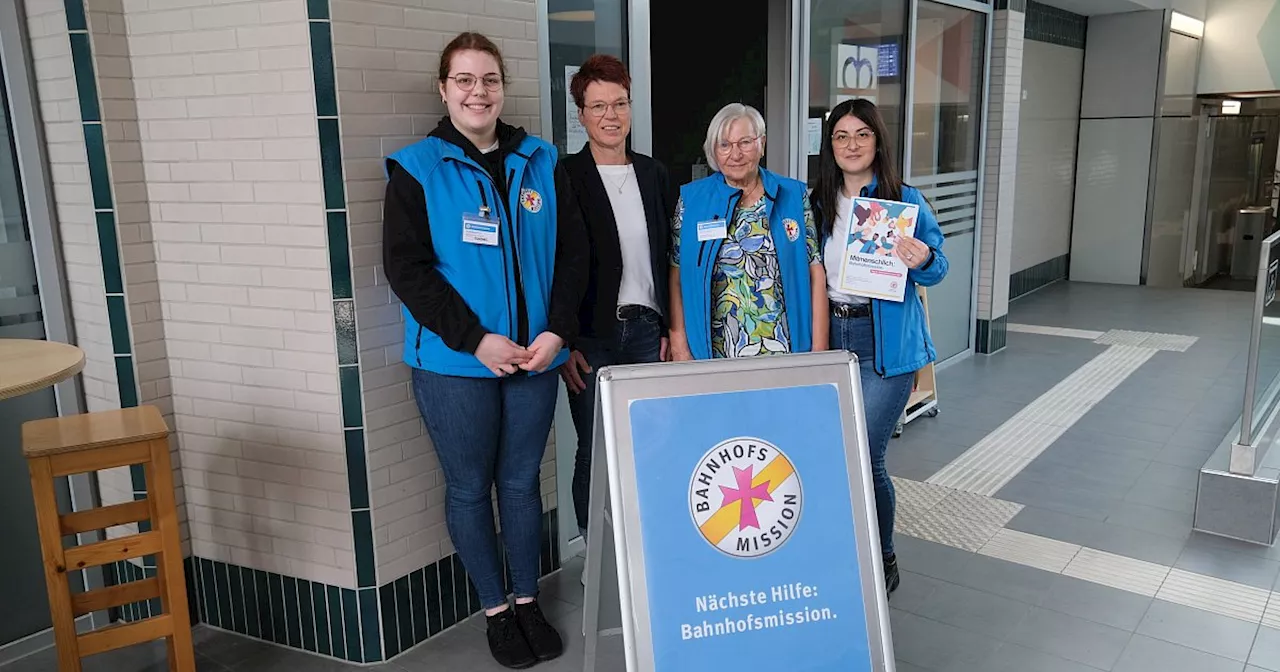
1181 23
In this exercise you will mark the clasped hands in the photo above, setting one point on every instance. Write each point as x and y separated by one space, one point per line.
503 357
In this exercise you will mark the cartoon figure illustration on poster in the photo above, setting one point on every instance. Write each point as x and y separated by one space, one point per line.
870 269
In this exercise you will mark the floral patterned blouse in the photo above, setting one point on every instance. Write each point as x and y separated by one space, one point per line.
748 314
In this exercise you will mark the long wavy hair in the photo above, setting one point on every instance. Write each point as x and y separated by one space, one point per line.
826 195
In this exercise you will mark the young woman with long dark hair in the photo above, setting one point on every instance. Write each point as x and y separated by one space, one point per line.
891 339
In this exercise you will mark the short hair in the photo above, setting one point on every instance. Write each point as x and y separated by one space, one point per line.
720 125
598 68
470 41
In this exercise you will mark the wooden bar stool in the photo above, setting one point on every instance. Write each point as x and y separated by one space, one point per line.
92 442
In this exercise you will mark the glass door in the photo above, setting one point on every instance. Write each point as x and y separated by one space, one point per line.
945 153
574 30
21 316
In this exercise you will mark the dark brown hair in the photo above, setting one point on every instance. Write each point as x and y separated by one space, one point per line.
598 68
470 42
826 195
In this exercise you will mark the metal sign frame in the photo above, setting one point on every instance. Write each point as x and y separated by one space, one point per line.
615 527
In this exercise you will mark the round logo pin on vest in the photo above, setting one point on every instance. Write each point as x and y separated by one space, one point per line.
531 200
793 229
745 497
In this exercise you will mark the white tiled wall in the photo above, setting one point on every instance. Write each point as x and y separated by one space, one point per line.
1001 164
386 57
1049 119
226 123
69 166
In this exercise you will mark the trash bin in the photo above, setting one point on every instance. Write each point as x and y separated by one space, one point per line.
1250 229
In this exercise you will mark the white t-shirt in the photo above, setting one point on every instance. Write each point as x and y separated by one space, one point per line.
633 236
833 253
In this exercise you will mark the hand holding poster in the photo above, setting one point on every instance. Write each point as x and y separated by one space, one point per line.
870 267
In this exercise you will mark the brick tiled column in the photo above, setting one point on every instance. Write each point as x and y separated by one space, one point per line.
996 246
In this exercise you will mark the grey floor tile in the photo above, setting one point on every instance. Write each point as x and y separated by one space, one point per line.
1006 579
224 647
280 659
1072 638
974 610
1099 535
1015 658
1097 603
1266 649
1200 630
1163 497
1193 457
914 593
936 646
930 559
1113 443
1173 524
1247 569
1075 502
903 466
1145 654
1172 476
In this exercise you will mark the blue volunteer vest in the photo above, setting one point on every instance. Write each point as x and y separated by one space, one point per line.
712 198
454 186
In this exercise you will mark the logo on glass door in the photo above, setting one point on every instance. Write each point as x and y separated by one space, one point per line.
745 497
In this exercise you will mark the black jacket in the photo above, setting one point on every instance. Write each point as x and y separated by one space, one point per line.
598 316
409 258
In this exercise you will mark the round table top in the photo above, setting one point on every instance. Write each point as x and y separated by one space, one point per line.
28 365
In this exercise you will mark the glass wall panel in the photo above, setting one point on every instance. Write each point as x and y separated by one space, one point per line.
577 29
946 128
857 50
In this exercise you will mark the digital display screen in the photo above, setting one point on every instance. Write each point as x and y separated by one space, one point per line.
888 60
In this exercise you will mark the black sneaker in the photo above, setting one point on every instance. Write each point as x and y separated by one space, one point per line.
543 639
891 578
506 644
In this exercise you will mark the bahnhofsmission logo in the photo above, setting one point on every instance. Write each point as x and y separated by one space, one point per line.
745 497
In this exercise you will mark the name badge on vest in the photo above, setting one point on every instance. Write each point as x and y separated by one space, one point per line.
479 230
713 229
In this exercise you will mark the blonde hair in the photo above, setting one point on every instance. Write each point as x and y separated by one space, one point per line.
720 125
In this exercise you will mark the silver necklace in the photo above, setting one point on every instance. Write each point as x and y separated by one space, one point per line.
618 186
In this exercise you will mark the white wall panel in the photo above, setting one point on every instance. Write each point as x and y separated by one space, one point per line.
1048 122
1122 65
1111 200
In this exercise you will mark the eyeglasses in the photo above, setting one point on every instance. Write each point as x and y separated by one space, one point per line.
467 81
620 107
745 145
862 138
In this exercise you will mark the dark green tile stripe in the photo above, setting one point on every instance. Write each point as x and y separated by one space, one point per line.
993 335
1046 273
1055 26
369 606
353 625
81 45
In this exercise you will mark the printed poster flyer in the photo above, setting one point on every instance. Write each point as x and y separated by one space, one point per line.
750 553
870 269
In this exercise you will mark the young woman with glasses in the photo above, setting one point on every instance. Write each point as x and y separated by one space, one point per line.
484 245
891 339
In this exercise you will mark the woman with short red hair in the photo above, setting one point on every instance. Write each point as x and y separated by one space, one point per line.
625 199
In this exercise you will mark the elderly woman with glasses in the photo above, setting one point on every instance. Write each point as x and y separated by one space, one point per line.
746 271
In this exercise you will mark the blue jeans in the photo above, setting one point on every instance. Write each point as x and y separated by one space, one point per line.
883 400
637 341
491 432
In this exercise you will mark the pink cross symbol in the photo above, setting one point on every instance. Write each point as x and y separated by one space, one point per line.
748 496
